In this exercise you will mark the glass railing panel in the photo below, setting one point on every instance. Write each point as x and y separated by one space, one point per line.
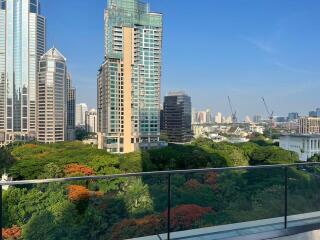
231 202
121 208
303 195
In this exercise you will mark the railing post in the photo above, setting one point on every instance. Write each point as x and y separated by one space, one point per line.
169 207
285 197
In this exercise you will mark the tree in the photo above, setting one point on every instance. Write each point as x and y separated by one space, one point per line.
81 134
137 198
272 155
40 225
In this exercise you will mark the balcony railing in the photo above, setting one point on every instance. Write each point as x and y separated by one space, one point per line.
221 203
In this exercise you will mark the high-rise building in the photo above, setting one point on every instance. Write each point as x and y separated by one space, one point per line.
81 110
129 79
257 118
309 125
218 118
315 113
202 117
177 117
293 116
91 121
208 116
52 98
22 43
194 119
71 109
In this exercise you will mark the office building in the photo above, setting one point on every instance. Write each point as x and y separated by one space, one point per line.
22 43
71 109
315 113
52 98
309 125
91 121
129 79
306 145
293 116
177 117
81 110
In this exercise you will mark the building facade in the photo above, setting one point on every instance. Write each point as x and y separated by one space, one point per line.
293 116
52 98
81 110
129 79
315 113
71 109
309 125
305 146
22 43
177 117
91 121
218 118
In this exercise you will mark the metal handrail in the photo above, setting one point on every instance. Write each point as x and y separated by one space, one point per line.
140 174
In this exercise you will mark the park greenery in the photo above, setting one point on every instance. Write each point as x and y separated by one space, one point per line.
124 208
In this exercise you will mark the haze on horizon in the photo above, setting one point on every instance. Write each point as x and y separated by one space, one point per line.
245 49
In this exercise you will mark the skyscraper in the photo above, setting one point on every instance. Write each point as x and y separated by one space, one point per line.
71 109
129 78
177 117
91 121
22 43
81 110
52 97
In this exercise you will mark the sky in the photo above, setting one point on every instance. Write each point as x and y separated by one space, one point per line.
212 49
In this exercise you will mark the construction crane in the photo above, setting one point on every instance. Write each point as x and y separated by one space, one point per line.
270 116
233 113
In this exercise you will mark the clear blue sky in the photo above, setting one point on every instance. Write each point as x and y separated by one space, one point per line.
212 49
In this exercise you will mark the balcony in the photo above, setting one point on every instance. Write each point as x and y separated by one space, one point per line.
256 202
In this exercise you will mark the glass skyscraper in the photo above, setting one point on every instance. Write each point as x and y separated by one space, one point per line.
52 98
22 43
177 117
129 78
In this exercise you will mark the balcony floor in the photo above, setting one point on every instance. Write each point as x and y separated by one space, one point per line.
314 235
252 230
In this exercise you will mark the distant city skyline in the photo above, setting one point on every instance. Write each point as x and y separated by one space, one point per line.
241 48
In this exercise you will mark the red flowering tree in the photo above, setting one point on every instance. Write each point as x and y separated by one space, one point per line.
12 233
78 170
130 228
184 216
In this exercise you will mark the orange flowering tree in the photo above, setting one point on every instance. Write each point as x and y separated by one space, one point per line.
78 170
78 193
12 233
